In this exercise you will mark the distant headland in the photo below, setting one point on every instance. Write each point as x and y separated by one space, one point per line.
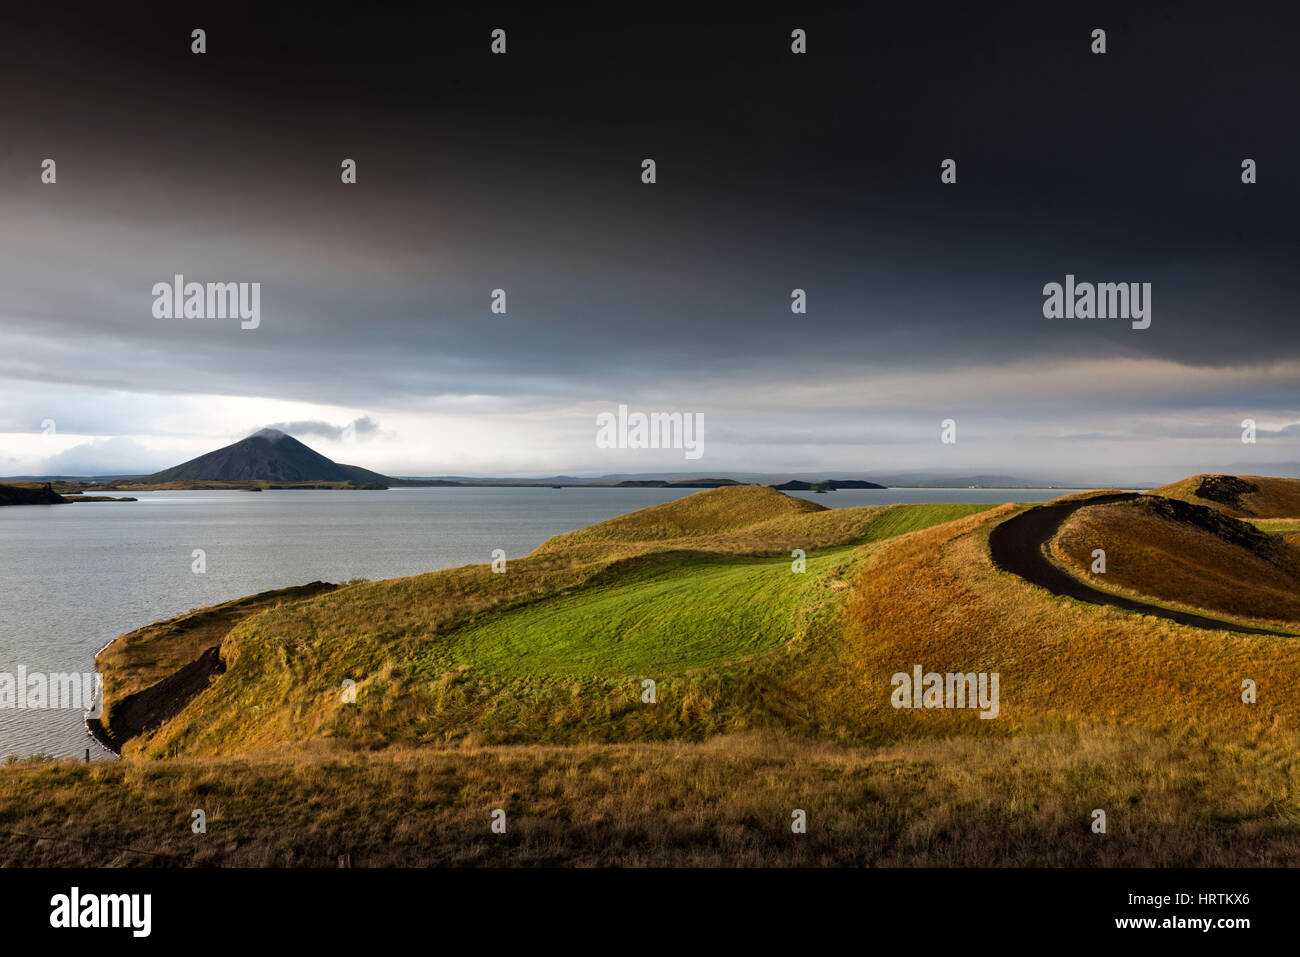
271 459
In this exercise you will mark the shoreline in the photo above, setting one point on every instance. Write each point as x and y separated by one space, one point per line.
147 707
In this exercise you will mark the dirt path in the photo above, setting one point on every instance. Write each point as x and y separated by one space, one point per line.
1017 546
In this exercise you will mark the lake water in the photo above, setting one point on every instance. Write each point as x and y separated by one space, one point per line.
73 577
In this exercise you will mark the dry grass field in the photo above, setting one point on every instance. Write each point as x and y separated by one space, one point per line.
1181 798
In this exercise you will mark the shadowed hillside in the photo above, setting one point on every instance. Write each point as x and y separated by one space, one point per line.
266 456
29 493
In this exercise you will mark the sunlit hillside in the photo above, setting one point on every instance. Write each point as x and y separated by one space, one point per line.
1190 555
665 687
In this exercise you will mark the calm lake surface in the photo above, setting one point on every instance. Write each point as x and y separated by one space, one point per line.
74 577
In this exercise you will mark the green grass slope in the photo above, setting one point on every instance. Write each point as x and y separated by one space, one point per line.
673 616
555 648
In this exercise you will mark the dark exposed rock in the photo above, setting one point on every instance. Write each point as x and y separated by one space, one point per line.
1225 490
147 709
1232 530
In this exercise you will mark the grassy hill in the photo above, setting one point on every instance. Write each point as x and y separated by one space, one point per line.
555 649
1241 496
141 660
523 690
1187 556
700 596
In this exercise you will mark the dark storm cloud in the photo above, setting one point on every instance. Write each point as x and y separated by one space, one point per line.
521 172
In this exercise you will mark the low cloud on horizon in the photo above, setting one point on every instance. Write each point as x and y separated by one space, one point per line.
359 429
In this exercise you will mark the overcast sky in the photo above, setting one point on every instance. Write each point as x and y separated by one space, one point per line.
775 171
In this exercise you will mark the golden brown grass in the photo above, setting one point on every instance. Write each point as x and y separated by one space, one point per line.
705 512
1153 557
143 657
743 520
1185 799
934 598
1100 708
931 598
286 665
1276 498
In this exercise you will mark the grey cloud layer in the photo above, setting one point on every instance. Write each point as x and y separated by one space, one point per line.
924 300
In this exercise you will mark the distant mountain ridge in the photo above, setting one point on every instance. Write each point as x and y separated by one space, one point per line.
268 455
830 485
